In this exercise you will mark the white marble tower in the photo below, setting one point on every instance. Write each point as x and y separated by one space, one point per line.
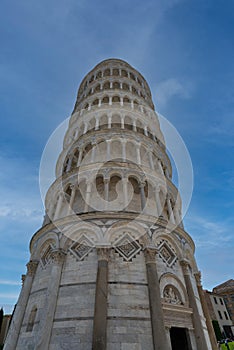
112 267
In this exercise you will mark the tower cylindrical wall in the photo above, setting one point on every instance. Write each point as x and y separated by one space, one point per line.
113 193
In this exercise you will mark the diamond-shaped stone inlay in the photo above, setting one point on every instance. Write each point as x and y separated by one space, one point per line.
82 248
127 247
166 253
46 257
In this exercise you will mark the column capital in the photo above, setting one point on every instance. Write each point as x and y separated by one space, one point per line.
58 256
23 277
142 184
124 178
81 145
93 140
103 253
197 276
156 189
185 266
122 139
32 267
150 254
89 181
60 192
145 240
73 186
106 174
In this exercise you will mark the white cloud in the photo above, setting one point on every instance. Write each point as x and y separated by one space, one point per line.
9 296
17 212
9 283
210 233
170 88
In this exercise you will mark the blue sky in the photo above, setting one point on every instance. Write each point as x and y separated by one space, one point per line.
185 51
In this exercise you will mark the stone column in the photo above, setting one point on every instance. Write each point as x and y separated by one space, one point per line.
160 339
158 203
59 206
72 198
171 215
106 191
46 323
122 117
93 152
197 323
97 124
160 167
138 153
86 125
123 142
50 211
76 133
151 160
69 164
176 214
16 324
109 121
88 194
100 311
80 156
108 149
142 192
125 192
206 312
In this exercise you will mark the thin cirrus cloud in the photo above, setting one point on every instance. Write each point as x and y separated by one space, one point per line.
171 88
9 283
209 233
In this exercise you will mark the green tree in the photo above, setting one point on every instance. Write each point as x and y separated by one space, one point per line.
217 330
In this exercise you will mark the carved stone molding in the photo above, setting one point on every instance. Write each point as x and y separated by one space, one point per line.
32 267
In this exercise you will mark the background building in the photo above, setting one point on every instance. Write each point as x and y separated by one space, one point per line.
226 290
4 328
219 313
112 266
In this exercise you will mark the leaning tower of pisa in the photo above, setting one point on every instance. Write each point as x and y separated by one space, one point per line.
112 267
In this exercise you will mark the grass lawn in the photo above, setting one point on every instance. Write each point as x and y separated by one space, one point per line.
231 346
